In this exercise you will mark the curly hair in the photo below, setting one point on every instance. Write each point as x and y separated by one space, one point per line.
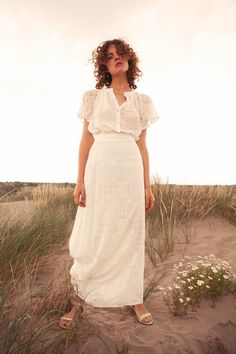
100 58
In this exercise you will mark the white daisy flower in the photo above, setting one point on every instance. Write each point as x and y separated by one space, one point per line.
200 282
214 270
194 267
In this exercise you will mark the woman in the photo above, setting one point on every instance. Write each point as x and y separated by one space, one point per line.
113 187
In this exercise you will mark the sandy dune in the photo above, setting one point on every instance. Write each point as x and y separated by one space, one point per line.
208 330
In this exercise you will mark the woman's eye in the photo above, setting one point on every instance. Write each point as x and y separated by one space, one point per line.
120 54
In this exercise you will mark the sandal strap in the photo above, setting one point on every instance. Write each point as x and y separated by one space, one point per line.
66 318
146 314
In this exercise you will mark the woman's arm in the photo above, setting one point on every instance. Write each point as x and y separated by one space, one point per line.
145 157
86 142
149 197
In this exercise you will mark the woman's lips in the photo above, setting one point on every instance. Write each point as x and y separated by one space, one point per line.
118 64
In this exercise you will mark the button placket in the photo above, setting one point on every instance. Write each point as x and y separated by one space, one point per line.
118 120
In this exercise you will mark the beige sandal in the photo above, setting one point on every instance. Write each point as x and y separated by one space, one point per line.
140 318
71 320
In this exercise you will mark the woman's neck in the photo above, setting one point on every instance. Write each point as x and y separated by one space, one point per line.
120 83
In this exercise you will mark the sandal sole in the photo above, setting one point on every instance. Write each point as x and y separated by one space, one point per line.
70 320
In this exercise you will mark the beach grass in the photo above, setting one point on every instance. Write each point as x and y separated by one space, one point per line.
27 237
177 205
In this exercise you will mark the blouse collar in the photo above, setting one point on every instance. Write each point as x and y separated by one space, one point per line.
110 89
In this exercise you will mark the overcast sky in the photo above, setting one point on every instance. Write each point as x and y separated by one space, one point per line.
187 51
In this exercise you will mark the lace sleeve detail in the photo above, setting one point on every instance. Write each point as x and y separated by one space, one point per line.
86 106
148 113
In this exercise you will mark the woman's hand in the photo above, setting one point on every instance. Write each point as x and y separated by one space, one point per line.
79 194
149 199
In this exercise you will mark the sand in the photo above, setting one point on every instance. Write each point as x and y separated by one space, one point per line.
208 330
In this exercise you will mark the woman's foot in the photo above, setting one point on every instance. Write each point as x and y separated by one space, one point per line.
142 315
67 320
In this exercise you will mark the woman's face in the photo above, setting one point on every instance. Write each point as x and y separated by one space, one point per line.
117 62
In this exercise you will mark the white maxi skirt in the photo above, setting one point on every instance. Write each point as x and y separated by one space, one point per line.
108 237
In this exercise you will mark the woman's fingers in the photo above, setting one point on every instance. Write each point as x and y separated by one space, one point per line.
82 199
79 196
149 202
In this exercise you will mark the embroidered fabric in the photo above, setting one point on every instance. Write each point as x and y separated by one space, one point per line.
87 104
148 113
108 237
104 114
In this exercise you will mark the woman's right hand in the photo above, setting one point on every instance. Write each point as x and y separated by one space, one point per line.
79 194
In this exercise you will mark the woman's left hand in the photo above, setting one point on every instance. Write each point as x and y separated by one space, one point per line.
149 199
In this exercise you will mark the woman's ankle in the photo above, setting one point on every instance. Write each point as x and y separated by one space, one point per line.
138 305
76 300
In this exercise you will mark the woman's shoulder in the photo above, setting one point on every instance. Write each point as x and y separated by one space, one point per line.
89 96
91 92
143 97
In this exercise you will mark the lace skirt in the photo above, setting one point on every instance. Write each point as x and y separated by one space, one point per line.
108 237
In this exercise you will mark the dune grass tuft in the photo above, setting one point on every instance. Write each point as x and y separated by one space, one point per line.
178 205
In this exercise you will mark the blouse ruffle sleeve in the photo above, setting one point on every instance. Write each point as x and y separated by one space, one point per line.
148 112
86 107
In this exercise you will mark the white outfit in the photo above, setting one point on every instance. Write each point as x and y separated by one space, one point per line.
108 236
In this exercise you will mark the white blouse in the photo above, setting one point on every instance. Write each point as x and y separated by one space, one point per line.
105 115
